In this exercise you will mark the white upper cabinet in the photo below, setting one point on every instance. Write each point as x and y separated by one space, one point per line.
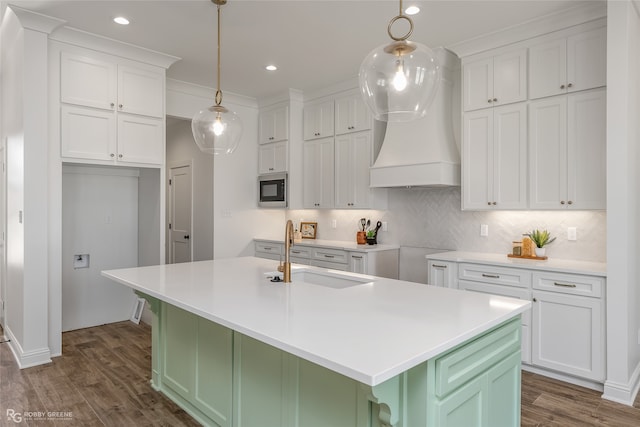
352 114
111 112
318 120
568 64
88 81
495 80
352 161
274 124
567 151
318 173
272 157
140 91
495 158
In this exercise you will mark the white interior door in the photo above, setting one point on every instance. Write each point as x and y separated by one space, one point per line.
180 208
3 263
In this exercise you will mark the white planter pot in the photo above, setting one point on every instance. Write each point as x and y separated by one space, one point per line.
540 252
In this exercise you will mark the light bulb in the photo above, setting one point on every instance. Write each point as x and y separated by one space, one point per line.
218 126
399 79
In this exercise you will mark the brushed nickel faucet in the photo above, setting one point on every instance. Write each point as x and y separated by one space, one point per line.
288 242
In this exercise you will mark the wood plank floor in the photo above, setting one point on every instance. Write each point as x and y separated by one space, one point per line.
103 380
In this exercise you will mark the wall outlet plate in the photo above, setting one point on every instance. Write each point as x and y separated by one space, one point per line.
484 230
572 233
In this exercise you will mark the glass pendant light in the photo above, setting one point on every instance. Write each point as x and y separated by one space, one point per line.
399 80
216 129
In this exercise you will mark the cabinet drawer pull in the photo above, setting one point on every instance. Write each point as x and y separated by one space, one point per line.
356 257
329 256
564 285
491 276
439 266
295 252
267 248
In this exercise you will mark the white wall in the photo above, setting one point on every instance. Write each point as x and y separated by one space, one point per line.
25 87
623 201
99 221
236 217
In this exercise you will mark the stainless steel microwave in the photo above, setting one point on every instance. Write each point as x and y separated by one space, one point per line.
272 190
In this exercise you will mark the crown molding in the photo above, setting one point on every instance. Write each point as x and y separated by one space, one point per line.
88 40
533 28
36 21
209 93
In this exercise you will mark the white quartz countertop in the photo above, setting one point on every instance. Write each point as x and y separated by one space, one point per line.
334 244
551 264
370 332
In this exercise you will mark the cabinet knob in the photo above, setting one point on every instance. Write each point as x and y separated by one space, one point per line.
113 105
120 156
495 203
489 100
186 236
270 169
561 86
489 203
120 106
562 202
570 202
112 155
535 300
570 85
495 99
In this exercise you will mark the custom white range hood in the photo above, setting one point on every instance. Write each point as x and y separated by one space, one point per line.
423 152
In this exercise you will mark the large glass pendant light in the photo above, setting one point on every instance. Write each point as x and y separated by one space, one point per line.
216 129
399 80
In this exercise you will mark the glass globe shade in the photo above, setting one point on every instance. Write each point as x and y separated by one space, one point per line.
216 130
399 81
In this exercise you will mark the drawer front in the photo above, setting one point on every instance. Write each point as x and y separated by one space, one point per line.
299 252
575 284
465 363
329 265
504 291
330 255
497 275
269 248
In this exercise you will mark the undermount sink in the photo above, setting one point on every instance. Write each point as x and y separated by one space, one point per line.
328 279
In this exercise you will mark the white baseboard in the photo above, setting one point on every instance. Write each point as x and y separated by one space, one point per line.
594 385
26 359
623 393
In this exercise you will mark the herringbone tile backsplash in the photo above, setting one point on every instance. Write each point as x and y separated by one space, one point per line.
432 218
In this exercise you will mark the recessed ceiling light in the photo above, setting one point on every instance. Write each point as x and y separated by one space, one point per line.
121 20
271 67
412 10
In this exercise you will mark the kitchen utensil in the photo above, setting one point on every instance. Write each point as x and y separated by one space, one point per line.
363 223
378 225
368 223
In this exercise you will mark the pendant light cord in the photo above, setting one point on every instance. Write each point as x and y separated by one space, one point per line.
218 98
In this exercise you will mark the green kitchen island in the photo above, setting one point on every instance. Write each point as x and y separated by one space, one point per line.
330 349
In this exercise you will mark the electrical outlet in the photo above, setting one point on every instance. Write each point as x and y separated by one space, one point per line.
484 230
334 223
572 233
384 225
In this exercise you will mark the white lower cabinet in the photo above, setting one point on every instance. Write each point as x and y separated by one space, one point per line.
442 274
382 263
563 333
568 328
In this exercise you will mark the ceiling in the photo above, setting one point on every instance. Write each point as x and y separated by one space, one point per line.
314 43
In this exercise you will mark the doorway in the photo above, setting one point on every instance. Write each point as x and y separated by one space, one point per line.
180 212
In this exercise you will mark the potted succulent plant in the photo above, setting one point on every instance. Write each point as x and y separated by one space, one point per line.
372 237
541 238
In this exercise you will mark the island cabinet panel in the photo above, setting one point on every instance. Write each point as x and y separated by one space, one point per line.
224 378
478 384
260 384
